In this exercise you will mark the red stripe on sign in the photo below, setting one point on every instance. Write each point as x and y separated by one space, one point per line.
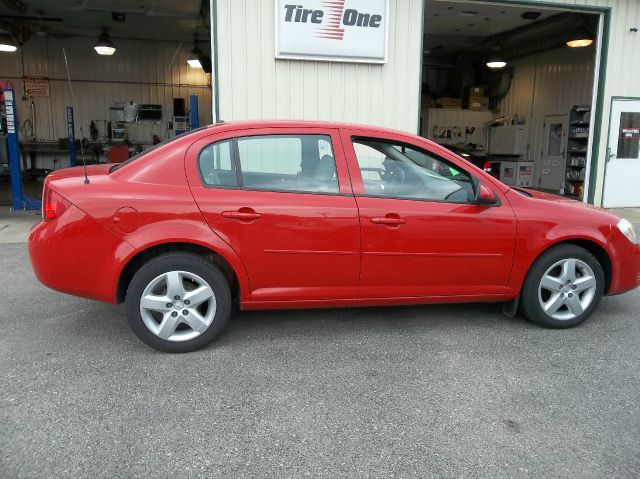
334 20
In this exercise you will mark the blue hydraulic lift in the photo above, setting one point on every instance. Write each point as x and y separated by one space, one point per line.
18 199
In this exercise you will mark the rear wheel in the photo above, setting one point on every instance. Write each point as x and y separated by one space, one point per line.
178 302
563 287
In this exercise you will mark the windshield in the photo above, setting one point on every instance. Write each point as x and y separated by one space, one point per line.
152 148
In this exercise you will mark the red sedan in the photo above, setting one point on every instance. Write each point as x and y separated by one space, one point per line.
304 215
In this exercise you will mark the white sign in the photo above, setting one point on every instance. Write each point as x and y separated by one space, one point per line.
332 30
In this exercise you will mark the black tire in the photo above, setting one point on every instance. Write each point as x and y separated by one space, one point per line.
190 263
529 300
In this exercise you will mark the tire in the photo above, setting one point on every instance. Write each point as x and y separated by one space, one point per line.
178 302
563 287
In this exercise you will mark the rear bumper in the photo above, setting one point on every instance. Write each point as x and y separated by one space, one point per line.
75 255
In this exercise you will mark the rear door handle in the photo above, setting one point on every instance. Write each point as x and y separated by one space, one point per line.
243 214
388 220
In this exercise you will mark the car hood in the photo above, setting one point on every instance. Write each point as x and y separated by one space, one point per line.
581 209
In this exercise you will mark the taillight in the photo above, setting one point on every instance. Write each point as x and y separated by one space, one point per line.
53 205
487 167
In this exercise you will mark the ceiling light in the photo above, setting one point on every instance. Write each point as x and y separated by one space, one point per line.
496 62
104 45
7 44
581 38
579 42
194 57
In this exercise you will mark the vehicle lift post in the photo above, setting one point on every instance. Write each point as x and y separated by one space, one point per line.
18 199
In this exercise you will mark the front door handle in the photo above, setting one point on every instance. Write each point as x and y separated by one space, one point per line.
243 214
389 220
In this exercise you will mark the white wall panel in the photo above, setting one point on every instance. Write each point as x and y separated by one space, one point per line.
548 83
253 85
140 71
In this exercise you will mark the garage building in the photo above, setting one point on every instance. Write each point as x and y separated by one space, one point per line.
543 94
552 106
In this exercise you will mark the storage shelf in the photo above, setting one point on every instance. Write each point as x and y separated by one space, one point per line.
576 156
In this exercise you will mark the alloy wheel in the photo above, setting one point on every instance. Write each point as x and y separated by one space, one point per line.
567 289
178 306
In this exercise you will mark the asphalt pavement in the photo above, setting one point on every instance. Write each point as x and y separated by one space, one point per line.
430 391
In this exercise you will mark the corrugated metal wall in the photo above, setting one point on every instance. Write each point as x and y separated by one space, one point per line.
253 85
548 83
140 71
622 63
457 121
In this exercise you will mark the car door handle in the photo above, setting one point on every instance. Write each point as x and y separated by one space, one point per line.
388 220
243 215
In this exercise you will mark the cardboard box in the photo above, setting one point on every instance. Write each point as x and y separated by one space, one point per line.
477 103
448 102
474 91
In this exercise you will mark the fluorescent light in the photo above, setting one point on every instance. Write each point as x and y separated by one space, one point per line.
496 64
194 57
579 43
7 44
466 155
496 61
195 63
104 45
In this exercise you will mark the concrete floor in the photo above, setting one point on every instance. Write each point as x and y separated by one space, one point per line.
432 391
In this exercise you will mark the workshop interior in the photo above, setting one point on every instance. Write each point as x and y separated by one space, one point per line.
96 82
508 87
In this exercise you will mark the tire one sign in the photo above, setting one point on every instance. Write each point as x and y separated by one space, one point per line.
332 30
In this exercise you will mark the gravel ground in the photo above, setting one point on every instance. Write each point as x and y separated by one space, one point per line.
433 391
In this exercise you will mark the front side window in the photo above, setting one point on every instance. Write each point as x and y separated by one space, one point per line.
304 163
400 171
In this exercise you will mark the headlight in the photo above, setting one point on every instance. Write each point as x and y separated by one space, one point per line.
627 229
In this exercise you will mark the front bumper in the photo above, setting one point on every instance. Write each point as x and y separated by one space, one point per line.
625 264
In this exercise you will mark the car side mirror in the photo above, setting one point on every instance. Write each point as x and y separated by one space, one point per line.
484 196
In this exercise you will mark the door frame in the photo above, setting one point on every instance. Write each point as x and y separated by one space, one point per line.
606 161
545 145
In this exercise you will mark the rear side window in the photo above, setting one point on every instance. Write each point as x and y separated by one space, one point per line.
217 166
304 163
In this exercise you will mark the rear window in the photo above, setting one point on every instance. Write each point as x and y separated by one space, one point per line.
153 148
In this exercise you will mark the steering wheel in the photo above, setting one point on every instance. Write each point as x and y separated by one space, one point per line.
394 174
380 171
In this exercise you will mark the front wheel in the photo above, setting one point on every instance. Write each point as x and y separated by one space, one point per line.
563 287
178 302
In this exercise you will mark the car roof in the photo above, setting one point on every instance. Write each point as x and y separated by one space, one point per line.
250 124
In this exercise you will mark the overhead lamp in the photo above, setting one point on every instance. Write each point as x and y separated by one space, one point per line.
7 44
496 62
104 45
582 39
194 57
580 42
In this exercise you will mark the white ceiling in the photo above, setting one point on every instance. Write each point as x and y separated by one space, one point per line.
452 25
173 20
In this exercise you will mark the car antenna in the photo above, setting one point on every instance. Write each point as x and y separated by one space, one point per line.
73 104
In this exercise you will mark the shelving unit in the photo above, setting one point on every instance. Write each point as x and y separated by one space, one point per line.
577 143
